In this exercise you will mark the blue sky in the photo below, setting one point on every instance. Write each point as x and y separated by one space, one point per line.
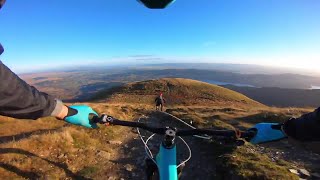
44 34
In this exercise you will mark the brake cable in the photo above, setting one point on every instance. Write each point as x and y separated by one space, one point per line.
149 153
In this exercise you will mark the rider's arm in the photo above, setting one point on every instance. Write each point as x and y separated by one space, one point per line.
304 128
19 100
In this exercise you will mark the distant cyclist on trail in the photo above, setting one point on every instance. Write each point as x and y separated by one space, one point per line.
160 101
20 100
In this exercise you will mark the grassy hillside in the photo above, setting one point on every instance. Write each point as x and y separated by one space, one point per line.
176 91
52 149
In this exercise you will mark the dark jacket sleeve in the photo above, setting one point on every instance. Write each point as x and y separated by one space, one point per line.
304 128
19 100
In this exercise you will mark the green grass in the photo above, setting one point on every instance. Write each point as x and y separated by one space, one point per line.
217 124
88 171
248 165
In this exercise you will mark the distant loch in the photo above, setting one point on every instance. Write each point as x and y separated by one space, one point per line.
228 83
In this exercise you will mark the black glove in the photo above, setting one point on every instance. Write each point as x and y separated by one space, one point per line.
304 128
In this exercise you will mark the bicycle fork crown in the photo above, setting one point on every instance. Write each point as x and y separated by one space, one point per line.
169 138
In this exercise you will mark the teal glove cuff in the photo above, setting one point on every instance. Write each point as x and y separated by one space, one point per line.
81 118
267 132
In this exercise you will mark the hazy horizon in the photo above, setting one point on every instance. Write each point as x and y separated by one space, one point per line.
227 67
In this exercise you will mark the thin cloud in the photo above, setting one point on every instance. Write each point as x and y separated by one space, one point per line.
141 56
209 43
149 59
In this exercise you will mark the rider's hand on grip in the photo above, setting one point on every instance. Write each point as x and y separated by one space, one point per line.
266 132
80 115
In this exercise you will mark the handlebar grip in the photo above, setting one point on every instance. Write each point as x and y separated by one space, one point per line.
94 119
248 135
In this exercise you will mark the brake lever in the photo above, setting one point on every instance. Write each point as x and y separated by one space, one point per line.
103 119
106 119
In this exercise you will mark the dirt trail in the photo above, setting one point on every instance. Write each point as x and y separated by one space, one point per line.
131 161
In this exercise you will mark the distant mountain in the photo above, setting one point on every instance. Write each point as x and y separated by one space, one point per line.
83 84
281 97
258 80
235 68
177 91
228 67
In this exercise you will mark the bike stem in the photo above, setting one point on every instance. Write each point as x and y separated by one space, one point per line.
169 138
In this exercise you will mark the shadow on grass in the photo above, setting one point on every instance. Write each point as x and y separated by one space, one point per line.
34 175
25 135
24 174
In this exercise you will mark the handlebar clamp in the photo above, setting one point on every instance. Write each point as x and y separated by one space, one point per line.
105 119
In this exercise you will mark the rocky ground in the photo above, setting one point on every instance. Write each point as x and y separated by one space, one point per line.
296 153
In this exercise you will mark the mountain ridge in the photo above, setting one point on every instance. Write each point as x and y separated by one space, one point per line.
177 91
